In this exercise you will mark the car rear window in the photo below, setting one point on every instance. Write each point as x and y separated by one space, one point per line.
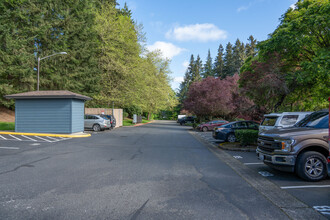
269 121
289 119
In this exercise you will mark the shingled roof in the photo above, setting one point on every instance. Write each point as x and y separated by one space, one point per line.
55 94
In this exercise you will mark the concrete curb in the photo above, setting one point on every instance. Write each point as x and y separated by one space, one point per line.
48 135
288 204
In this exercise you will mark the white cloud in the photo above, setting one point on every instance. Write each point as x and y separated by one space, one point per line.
197 32
178 79
185 64
243 8
293 6
168 50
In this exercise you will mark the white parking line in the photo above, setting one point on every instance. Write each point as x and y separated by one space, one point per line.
307 186
43 139
253 163
15 137
265 173
237 157
53 138
3 137
325 210
29 138
10 148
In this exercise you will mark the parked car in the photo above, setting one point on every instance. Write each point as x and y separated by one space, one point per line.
281 120
303 148
179 118
188 119
209 126
226 132
96 122
112 120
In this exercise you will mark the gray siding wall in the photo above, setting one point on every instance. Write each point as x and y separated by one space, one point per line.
77 115
43 115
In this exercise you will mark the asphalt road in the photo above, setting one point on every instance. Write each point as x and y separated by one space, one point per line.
155 171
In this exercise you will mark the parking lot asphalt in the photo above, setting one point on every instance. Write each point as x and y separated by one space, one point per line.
314 194
156 171
13 144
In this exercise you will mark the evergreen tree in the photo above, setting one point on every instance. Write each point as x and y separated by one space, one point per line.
251 47
32 29
197 69
219 62
229 62
238 55
208 70
187 80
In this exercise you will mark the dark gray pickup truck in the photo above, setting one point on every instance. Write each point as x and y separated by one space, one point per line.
303 149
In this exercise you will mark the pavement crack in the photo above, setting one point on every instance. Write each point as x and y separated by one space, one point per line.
139 152
24 165
138 211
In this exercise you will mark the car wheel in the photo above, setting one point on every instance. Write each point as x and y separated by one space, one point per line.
205 129
231 138
181 123
311 166
96 127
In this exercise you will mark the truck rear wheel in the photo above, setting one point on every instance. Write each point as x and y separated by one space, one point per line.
311 166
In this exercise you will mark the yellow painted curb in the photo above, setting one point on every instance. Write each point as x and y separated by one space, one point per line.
142 124
48 135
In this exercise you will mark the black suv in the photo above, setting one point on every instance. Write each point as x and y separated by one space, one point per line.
189 119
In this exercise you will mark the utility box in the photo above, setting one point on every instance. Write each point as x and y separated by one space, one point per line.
58 111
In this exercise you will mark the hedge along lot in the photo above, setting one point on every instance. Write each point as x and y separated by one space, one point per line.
247 137
7 126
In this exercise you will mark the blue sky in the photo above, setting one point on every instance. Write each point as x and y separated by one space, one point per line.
180 28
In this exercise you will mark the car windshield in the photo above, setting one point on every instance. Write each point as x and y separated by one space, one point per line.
315 120
269 121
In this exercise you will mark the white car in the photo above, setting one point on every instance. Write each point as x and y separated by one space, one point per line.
97 122
281 120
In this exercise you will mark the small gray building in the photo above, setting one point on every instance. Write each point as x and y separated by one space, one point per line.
58 111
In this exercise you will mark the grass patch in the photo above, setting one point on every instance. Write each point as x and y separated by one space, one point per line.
129 122
145 121
5 126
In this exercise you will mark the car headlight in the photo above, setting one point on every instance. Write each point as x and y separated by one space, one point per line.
286 144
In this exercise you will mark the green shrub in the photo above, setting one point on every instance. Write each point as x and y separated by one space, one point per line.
194 125
246 137
7 126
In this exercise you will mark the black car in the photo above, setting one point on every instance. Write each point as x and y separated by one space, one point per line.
226 132
112 120
189 119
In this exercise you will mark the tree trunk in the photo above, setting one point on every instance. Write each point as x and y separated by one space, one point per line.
279 103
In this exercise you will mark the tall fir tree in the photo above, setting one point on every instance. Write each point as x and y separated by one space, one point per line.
197 69
251 47
229 63
187 80
219 62
238 55
208 70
